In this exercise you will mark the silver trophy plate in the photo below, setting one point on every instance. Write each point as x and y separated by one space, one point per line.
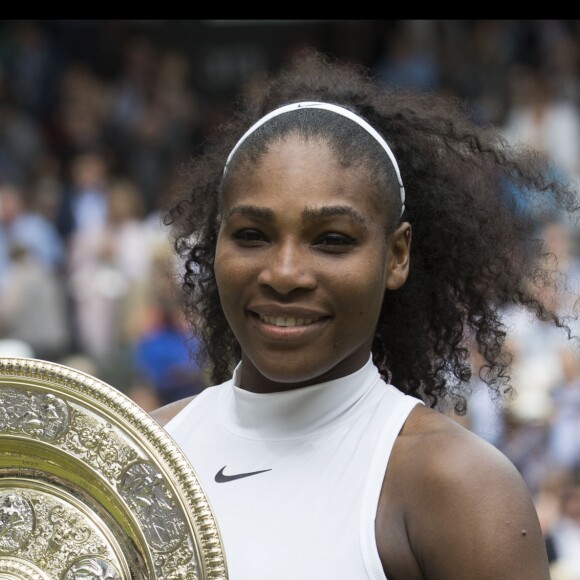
92 488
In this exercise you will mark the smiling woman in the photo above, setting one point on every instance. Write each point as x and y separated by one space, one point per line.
292 267
343 246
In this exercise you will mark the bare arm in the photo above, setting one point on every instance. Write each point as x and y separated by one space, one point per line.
453 507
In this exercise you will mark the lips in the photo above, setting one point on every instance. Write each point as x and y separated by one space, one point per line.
287 324
286 321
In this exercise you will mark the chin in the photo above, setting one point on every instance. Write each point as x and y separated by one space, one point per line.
287 375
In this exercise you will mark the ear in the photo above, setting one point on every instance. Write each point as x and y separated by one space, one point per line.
398 257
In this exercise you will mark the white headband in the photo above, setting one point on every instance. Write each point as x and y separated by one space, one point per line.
329 107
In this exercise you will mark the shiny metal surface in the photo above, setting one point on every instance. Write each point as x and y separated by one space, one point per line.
92 488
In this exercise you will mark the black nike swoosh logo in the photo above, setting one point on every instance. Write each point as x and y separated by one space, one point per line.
220 477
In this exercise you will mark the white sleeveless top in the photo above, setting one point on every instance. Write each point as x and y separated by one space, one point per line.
294 477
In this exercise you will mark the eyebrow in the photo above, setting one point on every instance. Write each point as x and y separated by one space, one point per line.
308 214
312 214
251 211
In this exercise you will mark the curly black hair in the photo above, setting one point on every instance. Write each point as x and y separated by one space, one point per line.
475 248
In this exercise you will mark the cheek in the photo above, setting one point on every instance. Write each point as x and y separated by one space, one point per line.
228 287
224 270
233 273
362 294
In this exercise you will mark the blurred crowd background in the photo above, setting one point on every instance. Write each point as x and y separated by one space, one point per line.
97 118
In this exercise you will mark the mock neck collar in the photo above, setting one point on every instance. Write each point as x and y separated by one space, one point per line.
295 413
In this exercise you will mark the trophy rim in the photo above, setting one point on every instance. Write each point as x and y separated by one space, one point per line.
114 405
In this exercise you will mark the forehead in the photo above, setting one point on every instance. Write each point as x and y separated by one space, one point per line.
302 167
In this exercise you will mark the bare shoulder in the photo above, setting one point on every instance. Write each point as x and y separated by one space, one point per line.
450 451
164 414
454 506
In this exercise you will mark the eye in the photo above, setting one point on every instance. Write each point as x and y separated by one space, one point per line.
334 241
250 237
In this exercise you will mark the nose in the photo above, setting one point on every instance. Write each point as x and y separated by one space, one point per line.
287 267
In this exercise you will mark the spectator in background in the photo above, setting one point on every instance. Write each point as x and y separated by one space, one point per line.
547 500
164 355
163 123
33 67
33 305
409 60
485 413
84 202
21 141
81 121
33 292
22 225
47 187
134 82
538 417
564 532
540 118
538 347
564 432
108 264
475 56
561 57
564 428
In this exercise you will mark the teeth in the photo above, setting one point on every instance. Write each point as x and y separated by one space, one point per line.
287 320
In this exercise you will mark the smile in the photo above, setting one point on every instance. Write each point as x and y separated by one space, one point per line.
287 320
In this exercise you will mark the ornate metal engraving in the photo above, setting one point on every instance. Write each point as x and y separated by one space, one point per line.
92 488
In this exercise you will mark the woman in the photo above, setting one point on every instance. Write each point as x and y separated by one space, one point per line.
344 244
